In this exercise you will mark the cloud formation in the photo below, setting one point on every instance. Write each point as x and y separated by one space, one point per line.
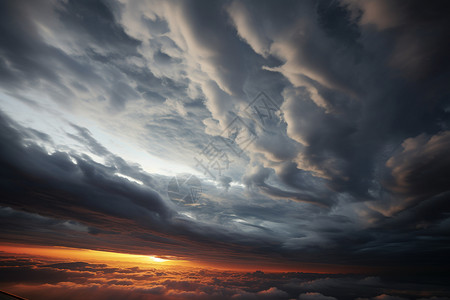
319 131
39 278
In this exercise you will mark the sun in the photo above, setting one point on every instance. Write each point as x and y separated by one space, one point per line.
157 259
96 256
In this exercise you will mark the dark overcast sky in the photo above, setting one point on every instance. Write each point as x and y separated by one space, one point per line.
315 134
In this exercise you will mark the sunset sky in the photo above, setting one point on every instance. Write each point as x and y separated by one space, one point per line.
225 149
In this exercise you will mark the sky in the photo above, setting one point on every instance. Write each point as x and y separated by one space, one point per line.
225 149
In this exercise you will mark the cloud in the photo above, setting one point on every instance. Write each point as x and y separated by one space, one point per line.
417 55
248 29
417 176
273 292
321 109
314 296
422 158
255 230
103 99
43 276
103 206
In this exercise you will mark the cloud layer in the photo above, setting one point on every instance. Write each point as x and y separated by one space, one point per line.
39 278
319 131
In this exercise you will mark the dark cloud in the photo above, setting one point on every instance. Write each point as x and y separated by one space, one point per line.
95 73
85 137
68 187
352 171
225 182
87 200
343 145
95 21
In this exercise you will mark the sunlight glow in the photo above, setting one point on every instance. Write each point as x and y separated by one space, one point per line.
114 258
158 259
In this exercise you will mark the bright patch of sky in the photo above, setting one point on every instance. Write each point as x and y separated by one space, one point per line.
56 122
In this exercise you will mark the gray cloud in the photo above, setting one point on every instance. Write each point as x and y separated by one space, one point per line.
353 170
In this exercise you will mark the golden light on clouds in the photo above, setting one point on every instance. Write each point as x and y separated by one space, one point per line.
96 256
158 259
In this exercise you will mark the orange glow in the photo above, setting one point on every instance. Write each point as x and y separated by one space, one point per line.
114 258
153 261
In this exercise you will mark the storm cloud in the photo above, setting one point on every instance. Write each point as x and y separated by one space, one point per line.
318 131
